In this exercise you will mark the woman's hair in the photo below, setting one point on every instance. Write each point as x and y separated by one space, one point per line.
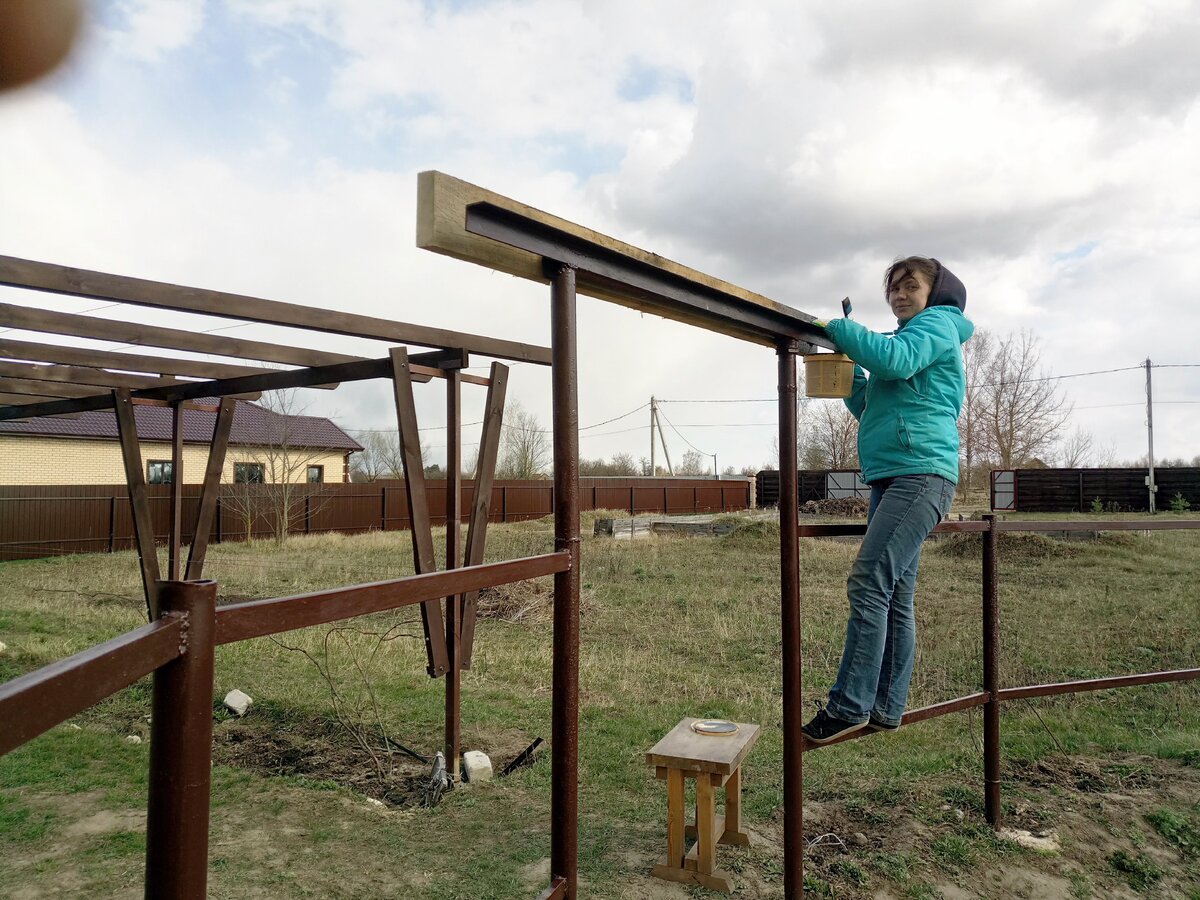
910 265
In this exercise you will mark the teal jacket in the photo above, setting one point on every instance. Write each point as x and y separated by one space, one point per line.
908 409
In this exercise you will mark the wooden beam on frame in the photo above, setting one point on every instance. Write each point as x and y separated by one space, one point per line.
80 375
211 489
33 351
485 475
442 204
49 322
49 388
135 478
421 525
58 279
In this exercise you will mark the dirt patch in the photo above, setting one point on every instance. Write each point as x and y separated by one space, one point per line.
323 751
851 507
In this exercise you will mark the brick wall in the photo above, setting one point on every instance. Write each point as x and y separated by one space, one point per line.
52 460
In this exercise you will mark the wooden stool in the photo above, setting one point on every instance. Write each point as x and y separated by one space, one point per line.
713 761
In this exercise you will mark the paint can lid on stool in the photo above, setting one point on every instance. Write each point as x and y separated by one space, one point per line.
715 727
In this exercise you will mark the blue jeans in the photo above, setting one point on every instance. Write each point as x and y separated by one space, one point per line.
881 635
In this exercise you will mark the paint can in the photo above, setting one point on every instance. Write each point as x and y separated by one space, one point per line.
828 375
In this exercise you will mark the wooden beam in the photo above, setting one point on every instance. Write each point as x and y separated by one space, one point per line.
57 279
421 525
34 351
442 202
8 399
43 320
211 489
81 376
135 478
47 388
175 533
485 474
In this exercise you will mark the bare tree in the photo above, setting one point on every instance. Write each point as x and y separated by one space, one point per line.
693 463
620 464
1024 411
972 432
831 437
273 484
1075 449
524 445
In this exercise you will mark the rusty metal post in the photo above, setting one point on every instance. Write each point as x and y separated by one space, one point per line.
176 536
789 597
564 789
453 561
181 749
991 676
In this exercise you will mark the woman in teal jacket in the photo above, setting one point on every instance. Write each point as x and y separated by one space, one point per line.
908 449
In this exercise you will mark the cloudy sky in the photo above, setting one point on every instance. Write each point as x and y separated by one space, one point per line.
1045 150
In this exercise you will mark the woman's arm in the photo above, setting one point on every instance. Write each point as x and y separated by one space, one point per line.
857 401
913 348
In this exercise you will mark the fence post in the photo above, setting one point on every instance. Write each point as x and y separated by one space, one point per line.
181 749
991 676
632 512
219 534
112 523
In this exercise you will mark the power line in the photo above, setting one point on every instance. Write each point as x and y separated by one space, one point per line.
505 424
682 438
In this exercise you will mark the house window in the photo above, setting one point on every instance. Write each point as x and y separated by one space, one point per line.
159 471
248 473
316 474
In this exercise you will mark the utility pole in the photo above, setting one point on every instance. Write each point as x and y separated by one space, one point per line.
653 419
1150 485
663 440
715 475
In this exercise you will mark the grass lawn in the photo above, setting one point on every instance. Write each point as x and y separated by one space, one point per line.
671 627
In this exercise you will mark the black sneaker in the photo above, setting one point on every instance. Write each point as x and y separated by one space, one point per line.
823 728
875 725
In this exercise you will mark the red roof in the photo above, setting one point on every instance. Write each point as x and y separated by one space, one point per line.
252 425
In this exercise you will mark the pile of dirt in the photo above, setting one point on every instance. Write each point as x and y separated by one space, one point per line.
321 751
851 507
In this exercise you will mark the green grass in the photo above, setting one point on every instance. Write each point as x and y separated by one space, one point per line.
670 627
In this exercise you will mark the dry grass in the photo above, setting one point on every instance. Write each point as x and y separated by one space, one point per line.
671 626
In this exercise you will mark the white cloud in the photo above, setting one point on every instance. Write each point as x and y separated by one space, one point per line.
153 28
792 148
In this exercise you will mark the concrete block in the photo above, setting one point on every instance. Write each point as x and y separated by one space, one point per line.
476 766
237 702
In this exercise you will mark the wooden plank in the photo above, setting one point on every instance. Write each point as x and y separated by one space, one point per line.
34 351
104 286
18 399
75 325
675 817
706 839
424 559
683 748
442 201
485 476
143 524
175 532
47 388
80 375
211 488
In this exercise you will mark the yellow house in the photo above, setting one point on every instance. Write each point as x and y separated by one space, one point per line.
264 447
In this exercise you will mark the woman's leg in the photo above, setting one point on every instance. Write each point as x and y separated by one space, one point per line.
899 651
908 510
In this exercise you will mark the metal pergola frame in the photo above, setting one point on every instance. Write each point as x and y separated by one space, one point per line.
42 379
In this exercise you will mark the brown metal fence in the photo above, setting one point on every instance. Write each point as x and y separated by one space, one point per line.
40 520
993 694
179 650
